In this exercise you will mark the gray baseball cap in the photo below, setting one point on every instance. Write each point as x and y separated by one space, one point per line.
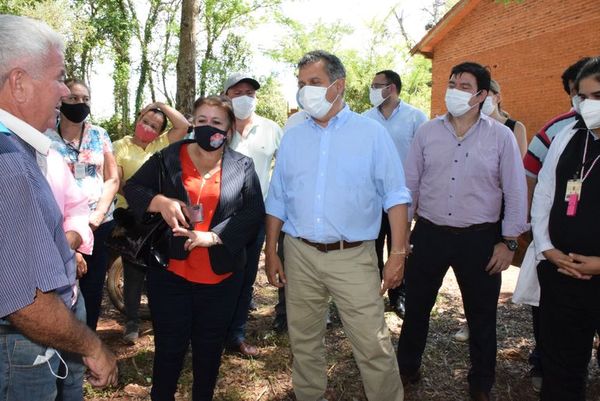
238 77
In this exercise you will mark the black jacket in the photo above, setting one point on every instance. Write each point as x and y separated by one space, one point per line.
239 213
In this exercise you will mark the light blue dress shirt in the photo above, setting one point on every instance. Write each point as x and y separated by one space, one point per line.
402 125
330 184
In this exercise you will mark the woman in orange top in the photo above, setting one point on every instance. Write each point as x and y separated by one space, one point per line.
212 201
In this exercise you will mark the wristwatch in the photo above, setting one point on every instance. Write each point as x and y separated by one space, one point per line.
511 244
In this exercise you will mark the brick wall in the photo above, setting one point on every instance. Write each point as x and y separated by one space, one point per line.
527 46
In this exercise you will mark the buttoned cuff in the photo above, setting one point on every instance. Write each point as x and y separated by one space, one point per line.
81 227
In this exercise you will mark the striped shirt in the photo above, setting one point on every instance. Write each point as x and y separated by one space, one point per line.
538 148
34 253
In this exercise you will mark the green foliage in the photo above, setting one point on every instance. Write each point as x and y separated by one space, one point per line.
223 50
271 102
116 126
361 66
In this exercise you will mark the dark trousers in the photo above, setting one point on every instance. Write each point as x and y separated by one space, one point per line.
92 283
133 284
535 358
184 312
468 252
385 238
569 316
237 331
280 307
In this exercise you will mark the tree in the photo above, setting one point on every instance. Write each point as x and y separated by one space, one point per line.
218 18
271 102
186 61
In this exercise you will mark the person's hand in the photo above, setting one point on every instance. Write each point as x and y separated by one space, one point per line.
173 212
500 260
564 263
393 272
586 266
81 265
274 270
103 367
195 239
96 219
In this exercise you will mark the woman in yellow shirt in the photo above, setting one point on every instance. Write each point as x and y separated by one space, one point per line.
131 152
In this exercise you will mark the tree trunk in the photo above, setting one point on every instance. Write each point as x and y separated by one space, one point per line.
186 61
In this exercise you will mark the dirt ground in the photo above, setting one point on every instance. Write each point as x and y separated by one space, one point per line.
268 377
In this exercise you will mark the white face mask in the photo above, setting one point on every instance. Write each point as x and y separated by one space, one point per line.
575 102
488 106
312 100
457 101
243 106
590 111
376 96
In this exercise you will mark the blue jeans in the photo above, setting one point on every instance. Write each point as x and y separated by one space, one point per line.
71 388
20 380
237 330
92 283
184 312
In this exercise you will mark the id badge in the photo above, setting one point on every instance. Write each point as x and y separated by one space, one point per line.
573 188
196 213
79 170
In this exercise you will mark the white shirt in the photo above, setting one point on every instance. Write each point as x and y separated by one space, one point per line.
402 125
30 135
260 144
527 290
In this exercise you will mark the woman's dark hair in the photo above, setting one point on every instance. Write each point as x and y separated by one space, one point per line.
589 69
74 81
164 117
218 101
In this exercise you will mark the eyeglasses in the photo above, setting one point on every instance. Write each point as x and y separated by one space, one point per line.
379 86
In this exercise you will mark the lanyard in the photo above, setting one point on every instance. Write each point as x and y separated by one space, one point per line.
582 175
68 144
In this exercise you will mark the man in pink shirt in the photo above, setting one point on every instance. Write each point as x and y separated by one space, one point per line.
461 169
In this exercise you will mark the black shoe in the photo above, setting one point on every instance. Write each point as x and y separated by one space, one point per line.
280 324
399 307
479 395
410 378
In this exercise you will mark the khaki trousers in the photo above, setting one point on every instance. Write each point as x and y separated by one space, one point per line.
351 277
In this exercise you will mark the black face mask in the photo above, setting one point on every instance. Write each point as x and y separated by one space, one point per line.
209 138
75 112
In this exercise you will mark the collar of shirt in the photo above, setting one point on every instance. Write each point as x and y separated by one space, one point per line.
339 119
482 119
394 112
33 137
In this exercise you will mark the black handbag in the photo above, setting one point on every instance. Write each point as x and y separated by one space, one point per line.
144 242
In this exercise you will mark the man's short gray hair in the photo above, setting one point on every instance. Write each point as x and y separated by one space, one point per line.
333 65
25 42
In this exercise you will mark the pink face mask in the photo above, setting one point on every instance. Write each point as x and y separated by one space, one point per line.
145 133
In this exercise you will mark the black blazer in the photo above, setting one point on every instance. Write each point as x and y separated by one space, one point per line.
239 213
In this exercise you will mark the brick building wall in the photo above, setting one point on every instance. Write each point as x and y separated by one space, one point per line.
527 47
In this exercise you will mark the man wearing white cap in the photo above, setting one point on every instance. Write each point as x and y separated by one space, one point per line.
256 137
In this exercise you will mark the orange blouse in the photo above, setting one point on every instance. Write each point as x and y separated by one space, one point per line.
196 267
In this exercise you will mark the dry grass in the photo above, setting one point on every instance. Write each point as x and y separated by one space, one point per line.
268 377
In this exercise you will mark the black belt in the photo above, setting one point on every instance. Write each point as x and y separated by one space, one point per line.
459 230
6 329
334 246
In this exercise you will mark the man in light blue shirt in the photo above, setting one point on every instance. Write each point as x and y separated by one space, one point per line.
334 174
401 120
